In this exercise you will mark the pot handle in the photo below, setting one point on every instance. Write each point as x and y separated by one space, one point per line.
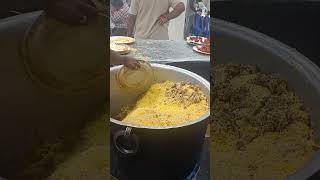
130 138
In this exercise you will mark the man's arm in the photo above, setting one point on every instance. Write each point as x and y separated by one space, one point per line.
133 12
130 62
191 4
177 10
130 25
115 59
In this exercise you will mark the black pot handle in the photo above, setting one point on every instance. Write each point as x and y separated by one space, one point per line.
129 136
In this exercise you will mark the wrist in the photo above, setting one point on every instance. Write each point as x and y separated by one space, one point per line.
168 16
123 59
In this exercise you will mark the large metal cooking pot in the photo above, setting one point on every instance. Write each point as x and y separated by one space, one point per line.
140 152
31 115
237 44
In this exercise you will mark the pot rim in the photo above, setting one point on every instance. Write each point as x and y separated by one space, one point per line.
309 69
183 71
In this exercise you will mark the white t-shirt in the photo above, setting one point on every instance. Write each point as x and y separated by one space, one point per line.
147 13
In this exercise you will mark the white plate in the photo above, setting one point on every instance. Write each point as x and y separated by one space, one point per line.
120 39
195 48
125 51
192 42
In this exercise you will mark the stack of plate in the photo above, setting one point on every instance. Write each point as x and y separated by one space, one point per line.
199 44
119 44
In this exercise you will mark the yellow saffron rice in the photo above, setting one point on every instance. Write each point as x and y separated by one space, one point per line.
168 104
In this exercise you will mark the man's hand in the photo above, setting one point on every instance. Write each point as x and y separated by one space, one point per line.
131 63
127 61
72 12
177 10
131 23
163 19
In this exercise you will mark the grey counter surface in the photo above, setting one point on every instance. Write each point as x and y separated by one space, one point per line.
164 51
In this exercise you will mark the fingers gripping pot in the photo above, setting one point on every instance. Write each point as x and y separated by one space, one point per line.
137 79
141 152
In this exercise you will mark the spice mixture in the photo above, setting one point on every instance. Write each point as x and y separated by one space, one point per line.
167 104
259 127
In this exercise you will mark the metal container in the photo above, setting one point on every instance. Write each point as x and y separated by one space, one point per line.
32 115
241 45
139 152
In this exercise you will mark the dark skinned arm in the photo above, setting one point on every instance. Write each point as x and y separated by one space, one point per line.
130 62
191 4
131 23
177 10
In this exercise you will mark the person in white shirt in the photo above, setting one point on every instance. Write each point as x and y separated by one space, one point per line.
149 19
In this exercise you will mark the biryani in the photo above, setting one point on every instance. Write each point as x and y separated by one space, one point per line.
167 104
260 129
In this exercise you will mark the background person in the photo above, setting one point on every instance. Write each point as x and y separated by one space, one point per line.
202 7
119 16
129 2
190 13
149 19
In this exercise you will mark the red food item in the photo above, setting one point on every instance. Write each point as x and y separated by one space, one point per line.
193 38
206 41
205 49
198 39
